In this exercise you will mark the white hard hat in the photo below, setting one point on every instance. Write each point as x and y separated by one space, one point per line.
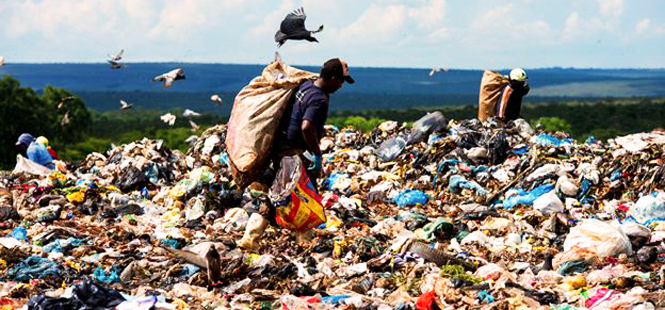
518 74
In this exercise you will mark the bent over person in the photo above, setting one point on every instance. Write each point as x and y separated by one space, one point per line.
300 130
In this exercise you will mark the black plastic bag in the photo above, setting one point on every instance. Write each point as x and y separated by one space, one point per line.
390 149
426 125
87 295
498 148
130 208
131 179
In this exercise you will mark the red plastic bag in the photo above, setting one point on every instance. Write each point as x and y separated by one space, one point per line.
426 300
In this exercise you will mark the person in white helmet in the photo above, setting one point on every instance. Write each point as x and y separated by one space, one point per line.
509 104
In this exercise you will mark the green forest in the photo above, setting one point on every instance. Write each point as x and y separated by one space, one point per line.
23 109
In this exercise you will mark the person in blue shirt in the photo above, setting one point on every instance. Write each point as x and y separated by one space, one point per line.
35 151
300 130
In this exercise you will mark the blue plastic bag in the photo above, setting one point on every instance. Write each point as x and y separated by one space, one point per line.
648 209
334 299
101 275
615 175
58 245
35 267
457 182
521 149
330 181
411 197
548 140
484 296
527 198
224 159
19 233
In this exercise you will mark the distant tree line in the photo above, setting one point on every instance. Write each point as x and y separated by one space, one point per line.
24 110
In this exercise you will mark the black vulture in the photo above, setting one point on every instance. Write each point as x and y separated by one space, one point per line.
293 28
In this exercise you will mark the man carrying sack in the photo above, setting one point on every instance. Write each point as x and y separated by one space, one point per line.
501 96
299 130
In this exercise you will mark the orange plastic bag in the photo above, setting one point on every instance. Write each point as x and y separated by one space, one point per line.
257 111
293 193
490 89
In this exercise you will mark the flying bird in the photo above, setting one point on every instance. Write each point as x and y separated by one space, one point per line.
117 57
437 70
65 100
2 61
124 105
189 113
191 139
278 57
65 119
194 126
217 99
169 77
168 118
293 28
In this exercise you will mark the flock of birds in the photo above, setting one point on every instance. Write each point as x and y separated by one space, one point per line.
291 28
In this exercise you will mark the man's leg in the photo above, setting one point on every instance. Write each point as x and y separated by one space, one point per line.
258 221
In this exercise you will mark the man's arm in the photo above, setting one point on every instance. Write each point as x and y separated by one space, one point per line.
311 136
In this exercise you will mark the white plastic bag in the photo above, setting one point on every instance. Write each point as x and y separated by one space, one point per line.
548 204
599 238
24 165
566 186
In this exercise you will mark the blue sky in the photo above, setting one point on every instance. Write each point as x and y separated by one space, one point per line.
469 34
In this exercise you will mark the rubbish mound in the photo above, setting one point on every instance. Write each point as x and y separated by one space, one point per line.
446 215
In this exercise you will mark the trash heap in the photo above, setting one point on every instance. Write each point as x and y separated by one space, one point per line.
444 215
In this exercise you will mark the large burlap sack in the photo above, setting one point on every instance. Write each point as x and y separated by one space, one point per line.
490 90
255 117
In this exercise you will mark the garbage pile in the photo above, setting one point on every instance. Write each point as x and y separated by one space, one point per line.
442 215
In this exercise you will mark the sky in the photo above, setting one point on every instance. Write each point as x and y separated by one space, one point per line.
457 34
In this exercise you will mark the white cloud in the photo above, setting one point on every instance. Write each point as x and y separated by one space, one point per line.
376 24
498 26
647 28
611 7
643 26
271 21
430 14
441 33
180 19
63 18
489 20
572 25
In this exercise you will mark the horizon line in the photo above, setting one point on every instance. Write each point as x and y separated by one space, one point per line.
305 65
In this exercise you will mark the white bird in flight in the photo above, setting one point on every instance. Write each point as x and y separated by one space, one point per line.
170 77
191 139
437 70
189 113
124 105
65 119
217 99
195 127
65 100
168 118
2 61
117 57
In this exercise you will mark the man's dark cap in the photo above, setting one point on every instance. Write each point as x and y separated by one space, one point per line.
337 69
